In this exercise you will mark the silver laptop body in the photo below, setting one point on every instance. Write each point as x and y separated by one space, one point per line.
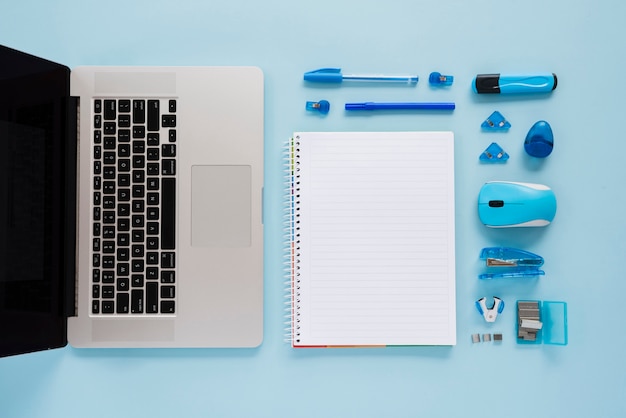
213 289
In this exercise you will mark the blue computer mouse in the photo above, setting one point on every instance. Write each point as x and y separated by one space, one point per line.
503 204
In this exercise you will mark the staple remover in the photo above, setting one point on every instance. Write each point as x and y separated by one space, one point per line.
490 314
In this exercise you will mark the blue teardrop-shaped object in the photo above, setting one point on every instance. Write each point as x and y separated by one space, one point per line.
539 140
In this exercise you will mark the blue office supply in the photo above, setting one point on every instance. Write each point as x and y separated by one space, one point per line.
494 154
496 122
539 140
504 204
334 75
490 314
401 106
505 262
438 79
322 106
542 322
513 83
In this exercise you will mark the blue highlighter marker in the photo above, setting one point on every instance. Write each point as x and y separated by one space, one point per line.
514 83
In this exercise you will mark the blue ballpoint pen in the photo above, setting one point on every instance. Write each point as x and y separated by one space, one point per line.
401 106
333 75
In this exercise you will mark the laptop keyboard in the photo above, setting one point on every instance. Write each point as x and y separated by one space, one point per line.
134 205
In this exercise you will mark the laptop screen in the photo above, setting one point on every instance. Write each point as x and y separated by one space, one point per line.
37 203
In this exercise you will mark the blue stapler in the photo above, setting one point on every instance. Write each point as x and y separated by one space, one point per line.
510 262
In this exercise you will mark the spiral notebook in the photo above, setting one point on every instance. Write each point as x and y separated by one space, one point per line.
370 245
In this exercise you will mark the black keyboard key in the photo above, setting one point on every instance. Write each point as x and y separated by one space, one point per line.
123 150
172 106
124 121
168 121
123 269
152 154
168 167
123 135
108 292
108 307
123 209
153 169
154 115
123 180
95 307
139 132
108 202
137 266
172 135
152 273
139 147
167 307
97 121
123 254
152 214
153 139
110 110
109 142
97 167
123 284
124 106
137 280
168 277
139 111
97 106
152 258
110 128
152 243
168 260
123 303
136 301
108 277
168 292
168 213
95 291
152 297
168 150
109 158
108 262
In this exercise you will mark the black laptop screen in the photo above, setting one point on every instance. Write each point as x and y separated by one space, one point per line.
35 203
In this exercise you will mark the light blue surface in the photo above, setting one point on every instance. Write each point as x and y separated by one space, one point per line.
584 248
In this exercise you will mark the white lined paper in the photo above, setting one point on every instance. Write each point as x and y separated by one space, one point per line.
376 238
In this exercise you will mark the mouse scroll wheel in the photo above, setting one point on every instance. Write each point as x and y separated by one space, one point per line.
496 203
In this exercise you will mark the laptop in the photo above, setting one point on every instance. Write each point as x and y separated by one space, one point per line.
130 206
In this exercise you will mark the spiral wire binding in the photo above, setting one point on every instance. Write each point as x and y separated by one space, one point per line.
291 240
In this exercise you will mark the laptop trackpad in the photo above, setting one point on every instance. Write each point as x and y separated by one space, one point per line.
221 205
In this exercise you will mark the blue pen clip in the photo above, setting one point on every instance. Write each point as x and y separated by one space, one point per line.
324 75
510 262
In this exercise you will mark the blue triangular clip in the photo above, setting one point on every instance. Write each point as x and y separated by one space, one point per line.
494 154
496 122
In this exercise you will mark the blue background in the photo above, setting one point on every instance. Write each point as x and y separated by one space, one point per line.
585 250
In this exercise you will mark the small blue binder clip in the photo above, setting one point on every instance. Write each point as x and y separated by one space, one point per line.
494 154
496 122
510 262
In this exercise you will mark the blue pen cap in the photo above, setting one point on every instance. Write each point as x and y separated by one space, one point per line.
324 75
